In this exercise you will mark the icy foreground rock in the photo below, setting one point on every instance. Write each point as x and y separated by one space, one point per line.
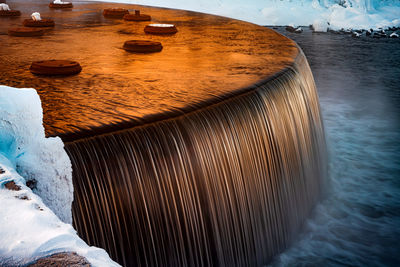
29 227
354 14
42 161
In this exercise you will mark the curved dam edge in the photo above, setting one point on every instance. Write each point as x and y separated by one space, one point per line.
176 114
226 185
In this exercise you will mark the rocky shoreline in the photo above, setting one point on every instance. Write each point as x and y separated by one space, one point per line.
391 32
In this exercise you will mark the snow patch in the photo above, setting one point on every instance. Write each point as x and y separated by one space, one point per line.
35 157
4 7
30 228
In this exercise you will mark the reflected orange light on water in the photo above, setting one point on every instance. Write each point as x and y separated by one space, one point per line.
210 57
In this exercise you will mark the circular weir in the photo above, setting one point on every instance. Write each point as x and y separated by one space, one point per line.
209 153
25 32
141 46
55 67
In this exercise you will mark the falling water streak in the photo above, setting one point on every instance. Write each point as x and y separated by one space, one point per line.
228 185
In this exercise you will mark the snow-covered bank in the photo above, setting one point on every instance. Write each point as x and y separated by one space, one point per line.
337 14
41 161
29 227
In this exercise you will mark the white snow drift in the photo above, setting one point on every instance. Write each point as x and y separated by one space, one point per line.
30 228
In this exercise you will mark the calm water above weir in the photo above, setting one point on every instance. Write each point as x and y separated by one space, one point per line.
357 224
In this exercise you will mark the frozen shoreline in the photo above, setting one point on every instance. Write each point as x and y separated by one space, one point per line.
35 223
335 14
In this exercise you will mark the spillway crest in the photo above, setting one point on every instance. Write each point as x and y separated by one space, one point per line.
226 185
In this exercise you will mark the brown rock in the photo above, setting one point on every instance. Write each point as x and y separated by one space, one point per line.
12 186
65 259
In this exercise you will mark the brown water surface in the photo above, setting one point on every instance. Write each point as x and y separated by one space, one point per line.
210 58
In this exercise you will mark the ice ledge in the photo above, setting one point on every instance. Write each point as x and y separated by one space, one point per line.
30 229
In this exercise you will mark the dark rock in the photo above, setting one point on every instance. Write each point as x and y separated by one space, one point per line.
2 171
23 197
64 5
343 31
31 183
379 35
356 35
298 30
290 29
12 186
293 29
65 259
333 31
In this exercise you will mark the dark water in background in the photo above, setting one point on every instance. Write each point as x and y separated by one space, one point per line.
358 222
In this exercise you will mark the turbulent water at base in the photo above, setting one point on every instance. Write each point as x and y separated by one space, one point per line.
229 185
358 221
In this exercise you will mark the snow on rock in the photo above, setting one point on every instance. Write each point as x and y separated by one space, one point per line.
394 35
30 228
354 14
35 157
36 16
4 7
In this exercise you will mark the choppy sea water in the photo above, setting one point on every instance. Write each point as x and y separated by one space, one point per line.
357 222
